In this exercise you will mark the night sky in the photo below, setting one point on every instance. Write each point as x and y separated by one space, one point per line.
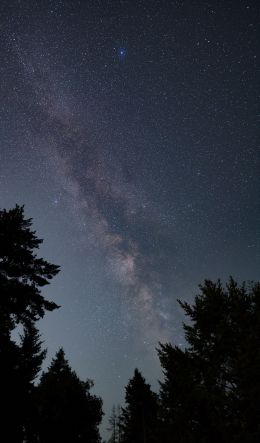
129 131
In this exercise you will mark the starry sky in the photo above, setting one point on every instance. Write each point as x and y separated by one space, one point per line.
129 131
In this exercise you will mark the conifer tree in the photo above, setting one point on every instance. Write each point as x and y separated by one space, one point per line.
115 425
22 273
69 413
139 418
211 389
22 276
32 356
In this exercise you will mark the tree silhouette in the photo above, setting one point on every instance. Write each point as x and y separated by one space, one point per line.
22 276
211 390
32 357
68 412
139 417
115 425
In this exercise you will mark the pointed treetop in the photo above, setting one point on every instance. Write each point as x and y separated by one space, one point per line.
60 363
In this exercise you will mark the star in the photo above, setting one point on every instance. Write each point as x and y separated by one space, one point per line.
129 133
121 52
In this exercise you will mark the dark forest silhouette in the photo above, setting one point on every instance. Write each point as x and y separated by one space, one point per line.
210 391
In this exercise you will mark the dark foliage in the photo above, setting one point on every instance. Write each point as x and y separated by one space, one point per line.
68 412
115 425
139 418
22 275
211 390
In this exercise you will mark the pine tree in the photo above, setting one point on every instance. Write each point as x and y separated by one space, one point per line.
22 276
139 418
32 356
211 389
115 425
68 412
119 424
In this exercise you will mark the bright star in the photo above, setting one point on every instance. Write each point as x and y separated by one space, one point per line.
121 53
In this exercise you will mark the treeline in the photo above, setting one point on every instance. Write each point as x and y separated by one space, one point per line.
210 390
60 408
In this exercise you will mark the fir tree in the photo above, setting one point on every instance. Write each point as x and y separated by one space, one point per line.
211 389
139 418
68 411
22 276
115 425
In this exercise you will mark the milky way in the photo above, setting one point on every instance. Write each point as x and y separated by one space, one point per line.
107 205
129 131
